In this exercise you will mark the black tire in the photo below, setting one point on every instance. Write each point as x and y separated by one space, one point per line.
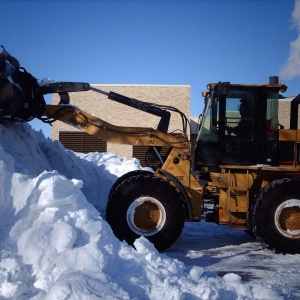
250 230
126 176
276 216
147 206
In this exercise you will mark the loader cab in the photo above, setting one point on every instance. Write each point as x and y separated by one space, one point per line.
239 126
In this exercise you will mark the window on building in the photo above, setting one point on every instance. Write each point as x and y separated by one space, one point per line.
82 142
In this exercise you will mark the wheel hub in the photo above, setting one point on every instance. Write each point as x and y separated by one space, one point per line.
291 217
144 213
146 216
287 218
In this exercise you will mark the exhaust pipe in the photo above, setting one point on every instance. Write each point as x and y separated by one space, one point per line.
273 80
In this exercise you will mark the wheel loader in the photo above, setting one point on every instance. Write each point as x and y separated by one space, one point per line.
241 169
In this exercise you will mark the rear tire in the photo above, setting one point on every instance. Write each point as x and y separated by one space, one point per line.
147 206
276 216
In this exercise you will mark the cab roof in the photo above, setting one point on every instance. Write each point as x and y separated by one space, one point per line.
280 87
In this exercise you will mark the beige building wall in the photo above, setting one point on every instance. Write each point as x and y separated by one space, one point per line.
284 112
122 115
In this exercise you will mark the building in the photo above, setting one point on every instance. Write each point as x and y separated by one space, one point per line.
121 115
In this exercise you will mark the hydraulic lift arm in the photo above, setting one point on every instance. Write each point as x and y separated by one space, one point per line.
74 116
142 136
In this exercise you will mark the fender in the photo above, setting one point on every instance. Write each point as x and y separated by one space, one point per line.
182 190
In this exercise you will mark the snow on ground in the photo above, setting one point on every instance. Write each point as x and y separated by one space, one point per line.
55 244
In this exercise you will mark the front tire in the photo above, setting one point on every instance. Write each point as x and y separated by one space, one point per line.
126 176
148 206
276 216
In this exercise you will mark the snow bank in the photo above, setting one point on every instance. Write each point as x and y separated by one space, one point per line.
56 245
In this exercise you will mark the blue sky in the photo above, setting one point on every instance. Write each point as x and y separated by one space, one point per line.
190 42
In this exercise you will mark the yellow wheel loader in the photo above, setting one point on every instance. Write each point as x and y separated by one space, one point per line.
241 169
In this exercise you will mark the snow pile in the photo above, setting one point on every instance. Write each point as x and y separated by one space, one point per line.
56 245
